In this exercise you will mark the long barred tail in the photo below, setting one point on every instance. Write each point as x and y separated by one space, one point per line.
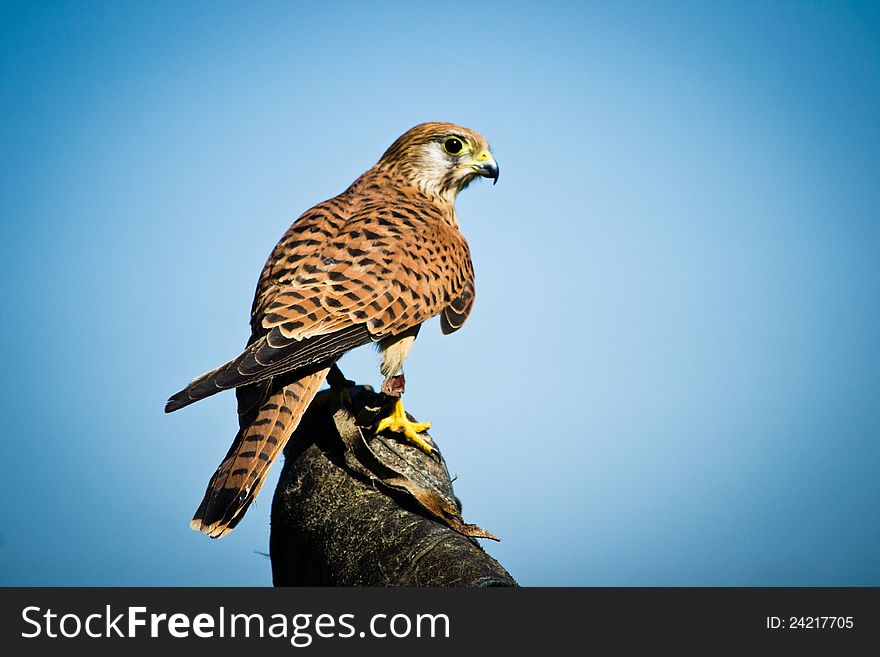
258 443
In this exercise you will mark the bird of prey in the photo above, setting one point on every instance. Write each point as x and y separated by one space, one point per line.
367 266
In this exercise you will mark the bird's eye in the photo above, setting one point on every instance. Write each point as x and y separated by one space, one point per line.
453 146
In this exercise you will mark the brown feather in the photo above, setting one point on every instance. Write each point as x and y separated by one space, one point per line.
241 474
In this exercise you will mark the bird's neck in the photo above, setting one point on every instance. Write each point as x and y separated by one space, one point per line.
443 198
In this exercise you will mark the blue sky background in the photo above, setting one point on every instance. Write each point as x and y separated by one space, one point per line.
677 318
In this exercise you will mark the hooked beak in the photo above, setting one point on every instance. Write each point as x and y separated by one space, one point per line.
489 169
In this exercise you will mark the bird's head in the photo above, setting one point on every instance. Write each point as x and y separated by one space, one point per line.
441 159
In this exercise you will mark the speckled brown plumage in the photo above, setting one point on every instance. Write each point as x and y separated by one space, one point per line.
369 265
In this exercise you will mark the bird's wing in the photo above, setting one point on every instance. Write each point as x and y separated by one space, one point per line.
390 267
334 283
456 313
269 356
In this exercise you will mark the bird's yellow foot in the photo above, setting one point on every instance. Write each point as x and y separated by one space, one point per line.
398 421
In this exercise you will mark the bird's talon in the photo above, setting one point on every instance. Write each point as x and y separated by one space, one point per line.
398 421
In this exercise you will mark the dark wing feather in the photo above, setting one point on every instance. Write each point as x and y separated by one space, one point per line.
269 356
454 315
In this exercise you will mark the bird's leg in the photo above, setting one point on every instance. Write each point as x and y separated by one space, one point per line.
394 351
394 385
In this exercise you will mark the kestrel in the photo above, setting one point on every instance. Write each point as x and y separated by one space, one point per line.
367 266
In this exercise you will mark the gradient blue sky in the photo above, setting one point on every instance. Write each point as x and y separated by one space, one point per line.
671 373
